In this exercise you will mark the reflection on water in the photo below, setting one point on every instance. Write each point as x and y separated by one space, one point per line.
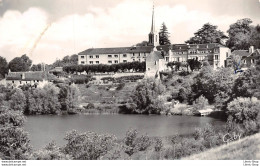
45 128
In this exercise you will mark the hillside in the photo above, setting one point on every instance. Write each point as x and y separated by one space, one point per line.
245 149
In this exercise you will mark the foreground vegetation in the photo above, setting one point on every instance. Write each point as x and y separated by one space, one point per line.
246 148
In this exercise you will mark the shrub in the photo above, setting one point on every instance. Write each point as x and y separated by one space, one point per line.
50 152
200 103
158 144
142 143
88 146
129 141
120 86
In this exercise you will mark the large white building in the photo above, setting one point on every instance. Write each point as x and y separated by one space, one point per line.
214 53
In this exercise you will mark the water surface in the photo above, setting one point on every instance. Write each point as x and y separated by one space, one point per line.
45 128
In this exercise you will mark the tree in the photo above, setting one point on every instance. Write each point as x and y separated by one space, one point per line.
14 141
37 67
18 100
240 34
146 98
254 39
194 64
207 34
143 43
164 35
245 112
3 67
19 64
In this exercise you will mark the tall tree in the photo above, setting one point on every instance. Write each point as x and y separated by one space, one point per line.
240 34
3 67
22 63
164 35
207 34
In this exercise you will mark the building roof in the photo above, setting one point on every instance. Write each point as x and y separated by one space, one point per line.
117 50
26 76
196 46
57 69
241 53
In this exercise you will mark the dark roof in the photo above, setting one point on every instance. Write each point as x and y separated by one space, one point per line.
28 76
241 53
196 46
117 50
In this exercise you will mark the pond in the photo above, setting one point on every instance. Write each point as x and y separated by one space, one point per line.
46 128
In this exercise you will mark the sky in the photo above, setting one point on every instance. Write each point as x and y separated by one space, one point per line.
47 30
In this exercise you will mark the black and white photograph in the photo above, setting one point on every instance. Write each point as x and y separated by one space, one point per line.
130 80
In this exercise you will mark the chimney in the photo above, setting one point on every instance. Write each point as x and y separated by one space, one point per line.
251 49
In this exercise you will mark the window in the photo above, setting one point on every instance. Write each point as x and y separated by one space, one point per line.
109 56
90 62
226 54
167 59
97 62
144 55
12 81
90 56
20 82
178 59
109 61
216 57
124 61
133 54
116 61
97 56
253 60
155 62
82 57
133 59
116 56
82 62
244 61
124 55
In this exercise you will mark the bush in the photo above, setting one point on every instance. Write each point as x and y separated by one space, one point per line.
50 152
244 112
88 146
120 86
200 103
158 145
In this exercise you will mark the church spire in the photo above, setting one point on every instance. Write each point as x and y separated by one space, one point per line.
153 36
152 27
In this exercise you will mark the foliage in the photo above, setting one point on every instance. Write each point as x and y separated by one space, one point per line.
242 35
80 79
68 97
145 98
66 61
177 65
37 67
102 68
14 142
3 67
143 43
248 83
50 152
88 146
158 145
134 143
19 64
207 34
18 100
164 35
43 100
200 103
194 64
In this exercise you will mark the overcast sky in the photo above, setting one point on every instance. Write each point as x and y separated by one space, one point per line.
47 30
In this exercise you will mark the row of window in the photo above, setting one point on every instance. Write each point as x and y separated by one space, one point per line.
110 61
115 56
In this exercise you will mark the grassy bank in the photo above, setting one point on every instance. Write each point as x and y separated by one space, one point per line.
247 148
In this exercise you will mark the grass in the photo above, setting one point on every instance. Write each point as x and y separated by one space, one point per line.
244 149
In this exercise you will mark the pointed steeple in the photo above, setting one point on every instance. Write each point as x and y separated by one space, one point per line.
152 27
153 37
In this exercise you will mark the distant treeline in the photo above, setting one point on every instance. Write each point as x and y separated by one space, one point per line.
102 68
